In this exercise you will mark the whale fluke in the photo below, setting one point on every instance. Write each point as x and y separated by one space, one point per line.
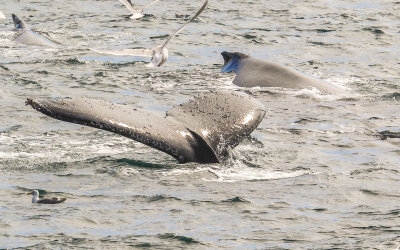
201 130
251 72
159 54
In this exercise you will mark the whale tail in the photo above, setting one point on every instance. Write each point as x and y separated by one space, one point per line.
201 130
18 23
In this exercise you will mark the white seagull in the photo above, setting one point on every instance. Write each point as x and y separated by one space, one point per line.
159 54
53 200
2 16
136 14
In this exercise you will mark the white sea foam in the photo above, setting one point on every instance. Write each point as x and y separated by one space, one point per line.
6 35
239 172
22 155
312 93
64 148
253 174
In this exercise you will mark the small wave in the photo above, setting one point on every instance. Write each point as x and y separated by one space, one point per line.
370 192
6 35
306 93
386 134
320 43
74 61
252 37
364 171
378 193
141 164
23 155
145 244
324 30
10 129
375 30
392 96
234 174
237 199
184 239
161 197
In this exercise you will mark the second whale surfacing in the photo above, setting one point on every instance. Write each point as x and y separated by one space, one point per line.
26 36
251 72
201 130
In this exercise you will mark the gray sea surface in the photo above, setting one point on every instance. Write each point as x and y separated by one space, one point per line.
319 172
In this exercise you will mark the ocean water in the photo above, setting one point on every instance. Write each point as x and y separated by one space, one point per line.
319 171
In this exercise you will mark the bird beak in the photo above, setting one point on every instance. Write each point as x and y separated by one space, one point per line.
29 193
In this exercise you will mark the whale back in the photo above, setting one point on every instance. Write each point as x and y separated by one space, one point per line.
198 131
29 37
26 36
252 72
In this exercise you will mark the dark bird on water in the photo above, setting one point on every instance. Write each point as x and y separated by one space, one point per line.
53 200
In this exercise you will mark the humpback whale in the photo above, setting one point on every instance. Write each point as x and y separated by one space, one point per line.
200 130
159 54
136 14
26 36
251 72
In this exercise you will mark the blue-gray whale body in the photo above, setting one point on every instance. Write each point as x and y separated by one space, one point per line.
25 35
251 72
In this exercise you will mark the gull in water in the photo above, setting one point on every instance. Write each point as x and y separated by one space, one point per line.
2 16
159 54
136 14
53 200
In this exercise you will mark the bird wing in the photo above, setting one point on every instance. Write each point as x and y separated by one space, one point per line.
183 26
145 7
129 5
128 52
53 200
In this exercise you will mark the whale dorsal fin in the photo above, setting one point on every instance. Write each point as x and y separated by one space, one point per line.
18 23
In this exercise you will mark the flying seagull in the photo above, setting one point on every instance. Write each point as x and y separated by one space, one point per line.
159 54
136 14
53 200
